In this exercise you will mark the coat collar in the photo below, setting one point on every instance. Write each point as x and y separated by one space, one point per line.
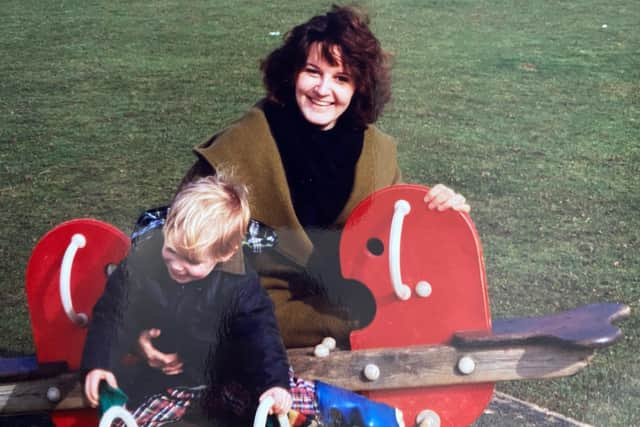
234 265
248 147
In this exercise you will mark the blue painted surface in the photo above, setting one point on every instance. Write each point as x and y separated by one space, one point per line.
11 366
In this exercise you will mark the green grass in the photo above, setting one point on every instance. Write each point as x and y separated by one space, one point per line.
530 109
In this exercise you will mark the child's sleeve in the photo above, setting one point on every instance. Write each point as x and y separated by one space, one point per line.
263 358
104 337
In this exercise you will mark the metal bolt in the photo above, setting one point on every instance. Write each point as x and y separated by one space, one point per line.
423 289
329 342
371 372
53 394
83 320
428 418
321 350
466 365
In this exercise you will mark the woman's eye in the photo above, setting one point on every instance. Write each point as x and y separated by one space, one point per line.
343 79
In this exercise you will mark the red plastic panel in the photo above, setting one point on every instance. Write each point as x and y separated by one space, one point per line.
55 337
78 418
441 248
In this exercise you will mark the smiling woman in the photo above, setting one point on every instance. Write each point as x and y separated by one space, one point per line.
309 153
323 90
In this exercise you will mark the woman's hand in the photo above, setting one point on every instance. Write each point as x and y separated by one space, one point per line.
441 198
92 384
282 400
168 363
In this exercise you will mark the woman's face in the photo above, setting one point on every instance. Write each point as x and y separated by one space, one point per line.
323 91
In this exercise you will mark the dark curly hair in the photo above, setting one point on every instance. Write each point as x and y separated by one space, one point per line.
344 31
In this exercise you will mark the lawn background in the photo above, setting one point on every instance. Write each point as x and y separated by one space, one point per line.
530 109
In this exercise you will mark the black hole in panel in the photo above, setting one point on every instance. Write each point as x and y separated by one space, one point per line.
375 246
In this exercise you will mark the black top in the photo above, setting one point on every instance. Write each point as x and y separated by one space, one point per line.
223 326
320 165
320 169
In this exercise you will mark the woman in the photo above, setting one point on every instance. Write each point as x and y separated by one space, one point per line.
310 153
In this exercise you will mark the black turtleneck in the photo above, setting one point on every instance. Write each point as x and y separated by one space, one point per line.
320 165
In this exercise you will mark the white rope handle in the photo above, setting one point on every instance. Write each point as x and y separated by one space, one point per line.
400 210
262 412
114 413
77 241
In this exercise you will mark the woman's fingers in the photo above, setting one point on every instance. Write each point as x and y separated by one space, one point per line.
436 196
458 203
441 198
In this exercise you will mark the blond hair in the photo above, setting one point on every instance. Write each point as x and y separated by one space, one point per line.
208 218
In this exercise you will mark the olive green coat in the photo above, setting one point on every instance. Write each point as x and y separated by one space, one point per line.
248 151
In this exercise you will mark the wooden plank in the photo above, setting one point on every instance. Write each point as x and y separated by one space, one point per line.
31 396
426 366
420 366
589 326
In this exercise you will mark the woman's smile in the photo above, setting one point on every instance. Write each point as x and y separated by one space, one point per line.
323 91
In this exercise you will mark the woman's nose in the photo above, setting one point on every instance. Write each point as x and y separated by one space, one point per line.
322 88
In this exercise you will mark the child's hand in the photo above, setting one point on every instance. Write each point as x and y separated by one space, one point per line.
441 197
168 363
92 383
282 400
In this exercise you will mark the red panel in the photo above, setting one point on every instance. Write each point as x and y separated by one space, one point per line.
441 248
79 418
55 337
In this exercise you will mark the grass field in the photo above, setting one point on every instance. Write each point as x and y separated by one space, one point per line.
530 109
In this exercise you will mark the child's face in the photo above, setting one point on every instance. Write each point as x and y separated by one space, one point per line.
184 270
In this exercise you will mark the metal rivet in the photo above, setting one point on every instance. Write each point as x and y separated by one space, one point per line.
423 289
329 342
428 418
53 394
321 350
371 372
466 365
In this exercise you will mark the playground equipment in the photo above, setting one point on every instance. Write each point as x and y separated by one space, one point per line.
432 349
